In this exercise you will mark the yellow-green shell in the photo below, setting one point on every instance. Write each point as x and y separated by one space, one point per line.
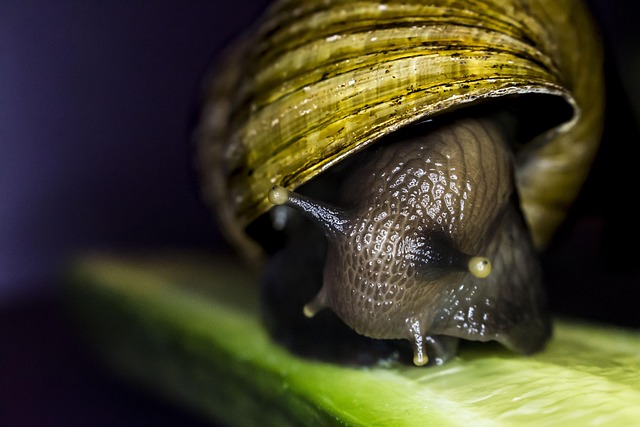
315 81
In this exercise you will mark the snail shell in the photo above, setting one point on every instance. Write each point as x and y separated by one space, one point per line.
315 82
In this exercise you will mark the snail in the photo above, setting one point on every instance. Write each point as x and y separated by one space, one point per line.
435 147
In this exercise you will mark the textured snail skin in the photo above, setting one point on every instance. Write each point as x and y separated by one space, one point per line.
415 213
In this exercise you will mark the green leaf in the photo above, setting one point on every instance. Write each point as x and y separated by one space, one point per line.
187 328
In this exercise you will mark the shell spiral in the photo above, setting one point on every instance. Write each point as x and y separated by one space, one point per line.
316 81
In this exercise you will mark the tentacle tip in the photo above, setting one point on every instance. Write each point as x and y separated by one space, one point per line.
480 267
310 310
420 359
278 195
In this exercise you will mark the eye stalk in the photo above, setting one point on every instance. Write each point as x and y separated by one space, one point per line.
435 255
332 220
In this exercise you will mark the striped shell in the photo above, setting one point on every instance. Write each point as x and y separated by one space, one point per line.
316 81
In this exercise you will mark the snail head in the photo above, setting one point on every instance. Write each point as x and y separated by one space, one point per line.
415 227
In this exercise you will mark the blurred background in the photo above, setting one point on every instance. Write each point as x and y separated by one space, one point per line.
96 103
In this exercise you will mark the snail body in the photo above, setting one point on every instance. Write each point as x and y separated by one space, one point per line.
433 237
433 244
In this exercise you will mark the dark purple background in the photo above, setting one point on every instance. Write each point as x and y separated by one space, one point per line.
96 103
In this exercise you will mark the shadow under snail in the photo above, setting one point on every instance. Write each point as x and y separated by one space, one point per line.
436 146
